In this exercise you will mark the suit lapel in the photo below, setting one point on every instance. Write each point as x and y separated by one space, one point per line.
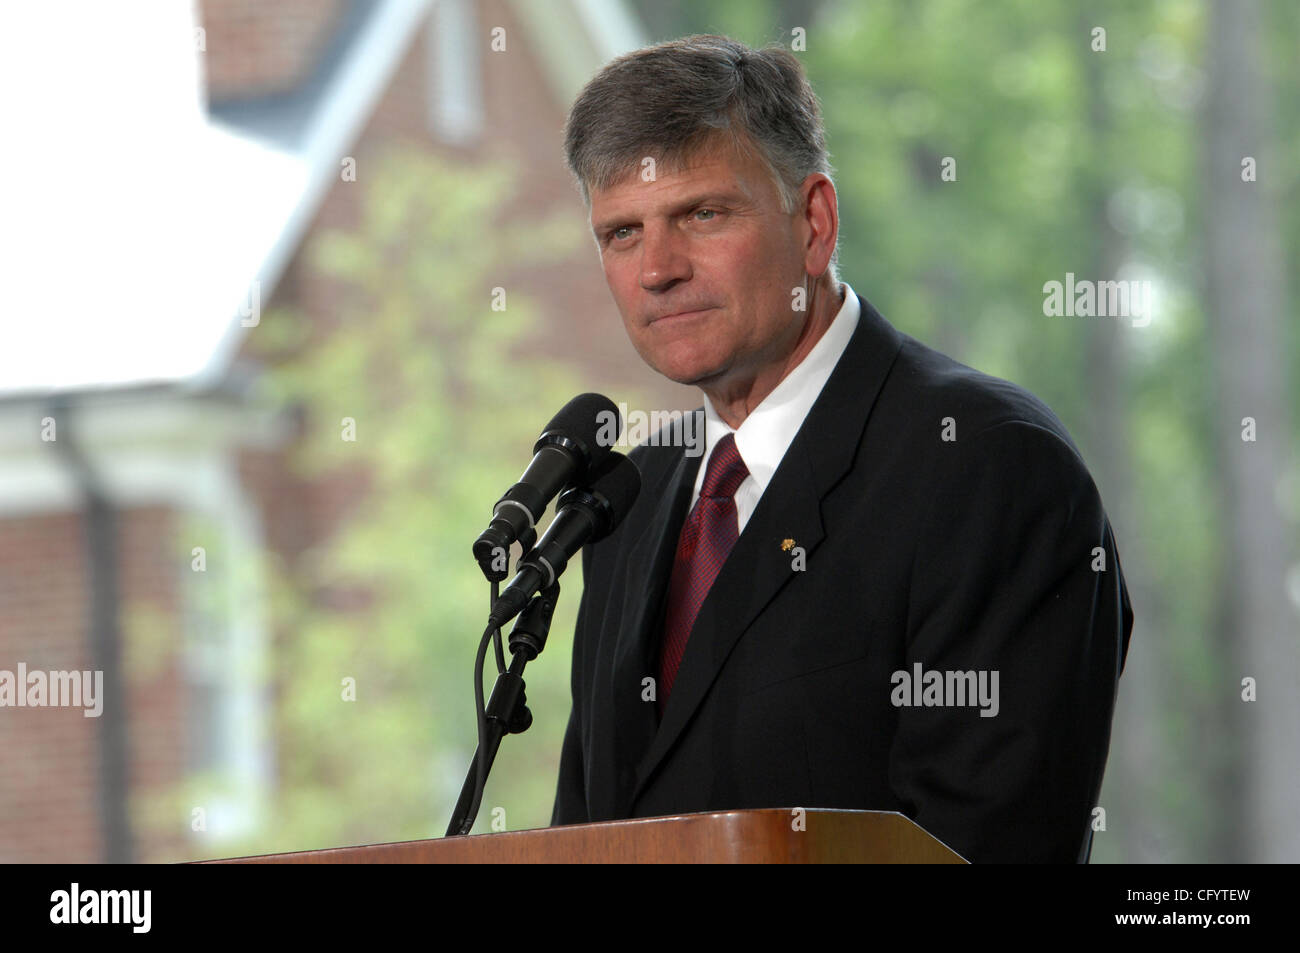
649 568
758 567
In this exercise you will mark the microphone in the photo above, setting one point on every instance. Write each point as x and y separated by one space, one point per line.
565 453
584 515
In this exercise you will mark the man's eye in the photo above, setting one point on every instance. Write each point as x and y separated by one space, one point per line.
705 211
614 234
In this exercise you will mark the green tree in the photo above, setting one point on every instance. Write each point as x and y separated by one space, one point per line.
443 408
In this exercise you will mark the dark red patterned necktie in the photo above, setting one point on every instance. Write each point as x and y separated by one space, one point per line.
707 537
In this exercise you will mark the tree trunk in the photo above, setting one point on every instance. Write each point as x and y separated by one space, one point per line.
1247 303
1140 755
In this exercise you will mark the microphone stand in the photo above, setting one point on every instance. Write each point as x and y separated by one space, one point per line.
506 711
487 562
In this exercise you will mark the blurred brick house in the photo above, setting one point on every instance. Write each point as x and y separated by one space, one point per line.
284 90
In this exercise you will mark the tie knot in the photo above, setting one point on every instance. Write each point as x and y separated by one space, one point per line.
726 470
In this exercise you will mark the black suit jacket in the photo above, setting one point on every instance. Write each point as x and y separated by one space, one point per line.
974 554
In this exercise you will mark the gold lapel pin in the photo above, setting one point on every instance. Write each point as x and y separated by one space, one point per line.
787 545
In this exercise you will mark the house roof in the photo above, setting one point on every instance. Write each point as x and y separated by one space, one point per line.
153 226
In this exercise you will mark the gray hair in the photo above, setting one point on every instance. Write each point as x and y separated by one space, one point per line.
674 100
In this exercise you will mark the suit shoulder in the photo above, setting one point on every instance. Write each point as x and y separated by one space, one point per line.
935 387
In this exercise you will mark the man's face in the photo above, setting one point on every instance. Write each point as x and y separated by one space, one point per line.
710 240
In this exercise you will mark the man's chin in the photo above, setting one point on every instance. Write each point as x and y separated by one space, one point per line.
692 375
684 363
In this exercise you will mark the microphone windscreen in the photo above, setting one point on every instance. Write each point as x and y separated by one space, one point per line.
590 423
617 481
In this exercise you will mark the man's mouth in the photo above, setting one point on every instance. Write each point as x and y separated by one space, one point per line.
680 314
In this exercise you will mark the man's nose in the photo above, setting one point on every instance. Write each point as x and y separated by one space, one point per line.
663 258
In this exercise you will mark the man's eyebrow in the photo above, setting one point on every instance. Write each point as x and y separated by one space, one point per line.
702 198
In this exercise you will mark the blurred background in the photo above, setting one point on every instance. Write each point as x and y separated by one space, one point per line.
292 286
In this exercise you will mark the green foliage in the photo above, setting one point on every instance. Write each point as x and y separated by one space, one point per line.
445 412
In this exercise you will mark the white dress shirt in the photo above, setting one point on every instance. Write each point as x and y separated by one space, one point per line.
764 436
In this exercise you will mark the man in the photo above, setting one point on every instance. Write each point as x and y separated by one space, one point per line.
888 583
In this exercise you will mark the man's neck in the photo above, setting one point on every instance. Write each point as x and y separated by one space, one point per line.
736 399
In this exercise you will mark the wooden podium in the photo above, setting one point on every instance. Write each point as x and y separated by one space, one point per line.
766 836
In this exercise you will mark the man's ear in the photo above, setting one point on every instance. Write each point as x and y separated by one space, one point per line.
821 212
